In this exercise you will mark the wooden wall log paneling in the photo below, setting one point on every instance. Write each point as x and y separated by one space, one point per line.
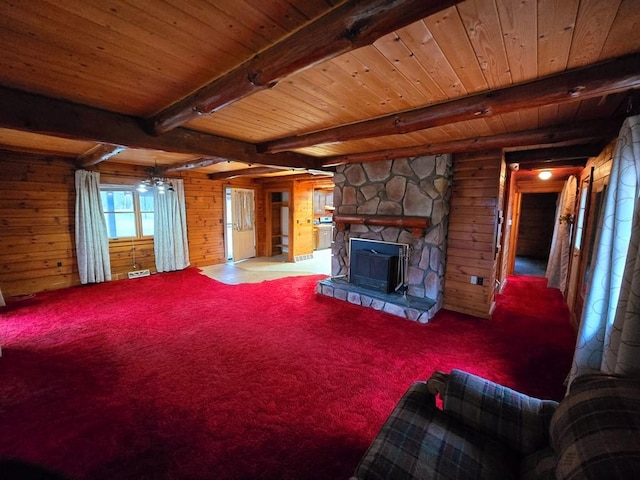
471 241
37 231
475 214
474 202
37 228
37 203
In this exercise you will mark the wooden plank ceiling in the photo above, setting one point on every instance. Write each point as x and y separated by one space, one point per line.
217 85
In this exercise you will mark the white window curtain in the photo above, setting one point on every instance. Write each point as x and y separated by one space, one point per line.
560 253
609 334
243 210
92 241
170 242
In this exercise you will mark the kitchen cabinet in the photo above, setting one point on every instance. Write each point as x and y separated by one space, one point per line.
322 201
324 236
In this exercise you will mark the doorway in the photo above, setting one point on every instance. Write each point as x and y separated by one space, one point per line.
278 224
536 221
240 223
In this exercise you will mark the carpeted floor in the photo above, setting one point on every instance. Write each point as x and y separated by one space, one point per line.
179 376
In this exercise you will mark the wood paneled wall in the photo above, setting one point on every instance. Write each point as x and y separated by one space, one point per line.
472 237
37 205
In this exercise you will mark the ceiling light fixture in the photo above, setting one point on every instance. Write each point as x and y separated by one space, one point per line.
544 175
161 184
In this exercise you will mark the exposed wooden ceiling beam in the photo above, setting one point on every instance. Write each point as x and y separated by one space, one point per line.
554 154
244 172
579 84
34 113
100 153
191 164
585 132
351 25
549 164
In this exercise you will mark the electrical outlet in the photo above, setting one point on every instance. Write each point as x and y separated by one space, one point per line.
480 281
474 280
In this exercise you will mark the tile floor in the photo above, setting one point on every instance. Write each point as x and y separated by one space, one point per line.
256 270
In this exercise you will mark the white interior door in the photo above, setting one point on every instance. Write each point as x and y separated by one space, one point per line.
243 209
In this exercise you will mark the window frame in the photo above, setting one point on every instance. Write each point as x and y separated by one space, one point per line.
137 210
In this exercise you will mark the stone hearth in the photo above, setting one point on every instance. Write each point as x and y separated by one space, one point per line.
409 307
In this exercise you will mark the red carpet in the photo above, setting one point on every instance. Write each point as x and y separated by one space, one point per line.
178 376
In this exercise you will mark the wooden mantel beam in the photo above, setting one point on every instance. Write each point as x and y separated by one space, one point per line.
416 224
244 172
585 132
98 154
38 114
579 84
351 25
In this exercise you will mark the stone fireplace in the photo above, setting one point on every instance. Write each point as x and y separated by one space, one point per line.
403 201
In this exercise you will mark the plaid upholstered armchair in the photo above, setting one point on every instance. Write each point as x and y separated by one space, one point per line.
487 431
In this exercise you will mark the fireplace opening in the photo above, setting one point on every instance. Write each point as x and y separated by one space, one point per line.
378 266
373 270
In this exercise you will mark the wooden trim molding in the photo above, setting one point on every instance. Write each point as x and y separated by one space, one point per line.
417 225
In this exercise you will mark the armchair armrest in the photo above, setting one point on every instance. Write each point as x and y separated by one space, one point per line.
512 417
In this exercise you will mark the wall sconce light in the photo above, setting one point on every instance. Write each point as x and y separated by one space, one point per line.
544 175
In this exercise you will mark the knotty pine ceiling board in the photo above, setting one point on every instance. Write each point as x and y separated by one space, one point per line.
519 33
138 57
478 44
593 25
556 22
623 36
482 25
37 143
132 57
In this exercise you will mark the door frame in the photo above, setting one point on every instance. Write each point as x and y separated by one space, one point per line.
269 228
228 210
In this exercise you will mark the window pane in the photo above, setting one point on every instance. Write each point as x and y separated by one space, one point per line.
146 201
121 224
147 223
117 200
104 197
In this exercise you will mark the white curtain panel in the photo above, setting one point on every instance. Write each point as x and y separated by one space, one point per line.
170 242
560 253
609 334
92 240
243 210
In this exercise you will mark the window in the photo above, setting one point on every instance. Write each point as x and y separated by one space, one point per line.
127 212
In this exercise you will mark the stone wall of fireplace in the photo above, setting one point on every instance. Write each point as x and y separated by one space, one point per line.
404 187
